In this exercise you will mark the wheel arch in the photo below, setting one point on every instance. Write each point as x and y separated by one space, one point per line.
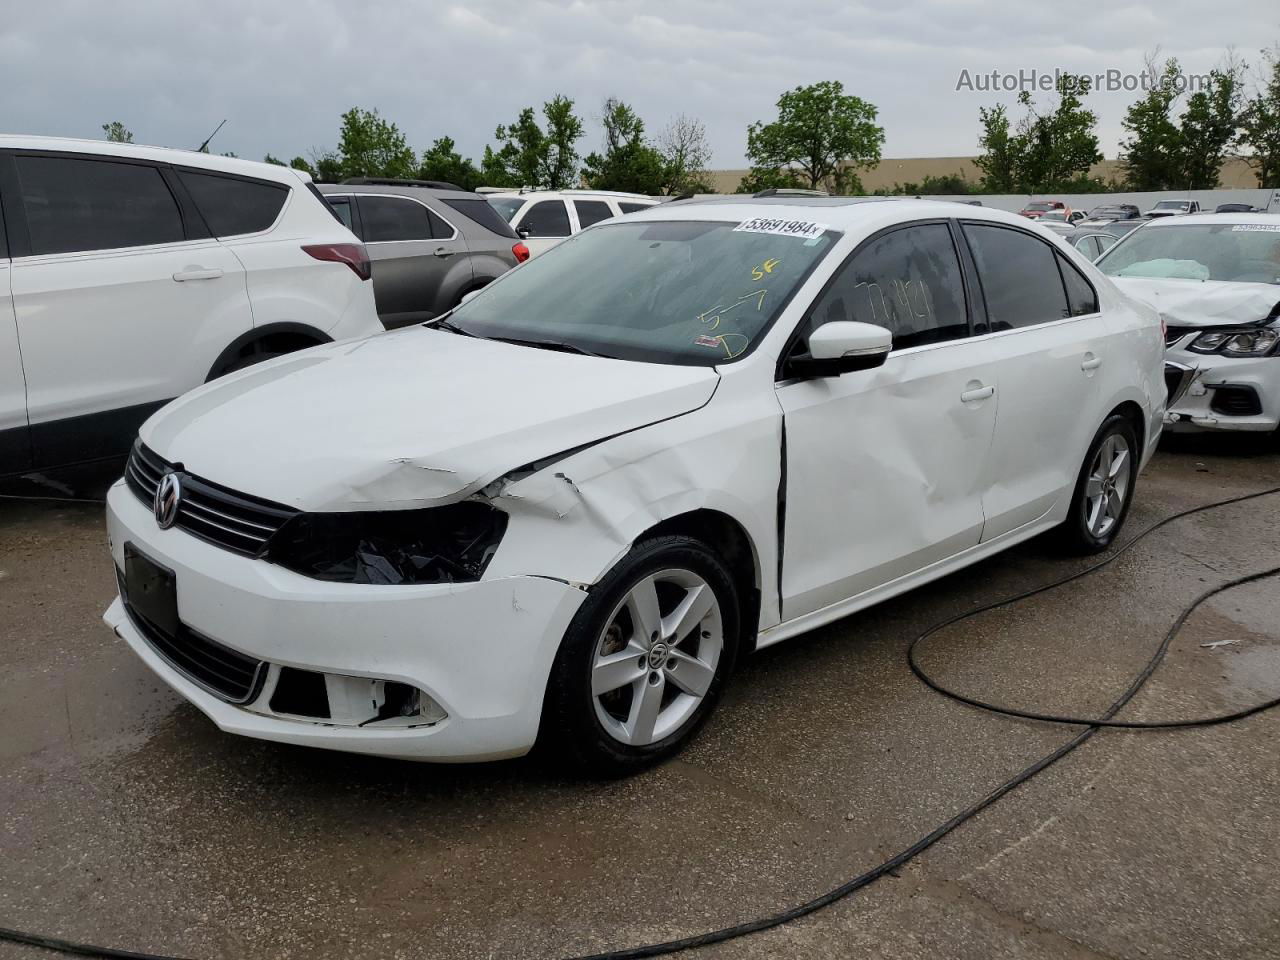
297 336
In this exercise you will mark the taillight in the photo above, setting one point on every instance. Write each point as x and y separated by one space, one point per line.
353 255
521 252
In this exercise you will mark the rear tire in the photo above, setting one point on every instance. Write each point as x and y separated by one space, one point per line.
1104 489
644 661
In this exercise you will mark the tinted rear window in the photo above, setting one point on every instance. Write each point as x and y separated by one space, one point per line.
591 211
1019 276
75 204
479 211
232 205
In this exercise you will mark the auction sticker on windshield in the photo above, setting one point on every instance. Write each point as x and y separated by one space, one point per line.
1256 228
785 228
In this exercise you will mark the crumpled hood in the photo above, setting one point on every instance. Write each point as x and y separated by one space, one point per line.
1191 303
411 416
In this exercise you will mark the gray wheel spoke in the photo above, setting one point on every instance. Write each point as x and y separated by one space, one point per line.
618 670
1118 462
1095 514
643 604
690 674
645 706
1093 487
696 604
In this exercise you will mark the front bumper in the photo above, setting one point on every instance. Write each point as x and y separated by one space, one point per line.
482 651
1200 408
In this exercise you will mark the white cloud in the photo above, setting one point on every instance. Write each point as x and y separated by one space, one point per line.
283 74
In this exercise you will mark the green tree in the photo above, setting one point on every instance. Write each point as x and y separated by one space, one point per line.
771 178
628 162
325 166
997 160
1209 127
530 156
822 133
115 132
369 146
1149 157
443 162
686 154
1260 124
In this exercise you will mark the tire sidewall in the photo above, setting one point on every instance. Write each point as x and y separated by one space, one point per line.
570 724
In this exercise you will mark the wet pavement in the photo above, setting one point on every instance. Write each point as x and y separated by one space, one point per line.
128 820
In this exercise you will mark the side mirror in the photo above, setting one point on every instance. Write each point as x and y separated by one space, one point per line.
841 347
524 232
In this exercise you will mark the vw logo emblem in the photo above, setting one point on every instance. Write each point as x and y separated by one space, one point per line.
168 497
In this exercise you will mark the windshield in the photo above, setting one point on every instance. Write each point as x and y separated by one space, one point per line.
694 293
1039 205
1171 205
1054 215
1106 212
1241 252
506 206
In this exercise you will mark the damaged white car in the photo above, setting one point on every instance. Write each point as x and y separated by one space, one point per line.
1216 281
562 512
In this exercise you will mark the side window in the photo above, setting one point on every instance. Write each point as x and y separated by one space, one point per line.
440 230
1086 245
1019 278
387 219
591 211
75 205
1105 243
546 218
632 207
1081 297
232 206
908 281
342 207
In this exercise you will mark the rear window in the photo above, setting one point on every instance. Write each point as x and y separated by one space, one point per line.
234 205
1019 277
74 205
479 211
591 211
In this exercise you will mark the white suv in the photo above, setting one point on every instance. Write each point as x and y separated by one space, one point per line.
546 217
129 275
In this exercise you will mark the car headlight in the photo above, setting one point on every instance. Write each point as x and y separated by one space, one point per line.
449 544
1250 342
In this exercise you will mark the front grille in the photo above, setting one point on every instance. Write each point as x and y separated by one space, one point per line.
1236 401
1174 334
234 521
226 673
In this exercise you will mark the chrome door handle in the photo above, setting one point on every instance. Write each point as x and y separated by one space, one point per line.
1090 362
196 274
443 252
981 393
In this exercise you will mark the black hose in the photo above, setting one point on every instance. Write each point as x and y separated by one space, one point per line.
1091 726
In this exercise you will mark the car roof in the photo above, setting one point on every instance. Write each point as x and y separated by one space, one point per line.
585 194
136 151
839 213
405 189
1194 219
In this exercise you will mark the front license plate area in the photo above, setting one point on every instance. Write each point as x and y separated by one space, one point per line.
151 590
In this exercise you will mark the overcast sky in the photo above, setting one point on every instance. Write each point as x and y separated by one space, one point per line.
282 73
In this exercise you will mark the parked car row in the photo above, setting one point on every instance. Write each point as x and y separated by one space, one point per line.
546 217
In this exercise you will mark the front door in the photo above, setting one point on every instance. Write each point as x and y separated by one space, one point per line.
543 224
884 467
415 255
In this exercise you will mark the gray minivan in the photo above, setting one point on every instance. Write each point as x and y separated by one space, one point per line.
429 243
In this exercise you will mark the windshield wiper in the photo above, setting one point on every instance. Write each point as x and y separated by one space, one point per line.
443 323
559 345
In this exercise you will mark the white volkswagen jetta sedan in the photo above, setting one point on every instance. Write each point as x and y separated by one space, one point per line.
563 511
1216 282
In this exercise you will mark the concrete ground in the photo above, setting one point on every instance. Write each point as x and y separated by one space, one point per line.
127 819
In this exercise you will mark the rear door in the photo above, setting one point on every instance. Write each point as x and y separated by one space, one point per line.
123 300
416 255
884 467
15 449
543 224
1046 337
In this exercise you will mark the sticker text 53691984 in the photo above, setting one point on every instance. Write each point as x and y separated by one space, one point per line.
807 229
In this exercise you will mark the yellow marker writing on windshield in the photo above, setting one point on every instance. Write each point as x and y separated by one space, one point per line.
757 273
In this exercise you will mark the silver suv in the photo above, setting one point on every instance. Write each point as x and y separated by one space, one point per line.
430 243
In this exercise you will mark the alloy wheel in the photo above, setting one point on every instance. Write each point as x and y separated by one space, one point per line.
657 656
1107 486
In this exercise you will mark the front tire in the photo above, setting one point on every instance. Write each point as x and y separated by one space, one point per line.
1104 488
645 660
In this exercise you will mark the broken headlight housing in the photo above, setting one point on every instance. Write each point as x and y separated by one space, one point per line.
449 544
1237 341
